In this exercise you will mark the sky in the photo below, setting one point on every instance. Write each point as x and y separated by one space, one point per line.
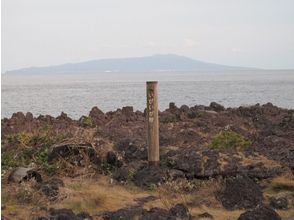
251 33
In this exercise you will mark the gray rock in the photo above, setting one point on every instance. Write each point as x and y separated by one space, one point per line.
22 173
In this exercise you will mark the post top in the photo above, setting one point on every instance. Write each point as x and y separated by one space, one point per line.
152 82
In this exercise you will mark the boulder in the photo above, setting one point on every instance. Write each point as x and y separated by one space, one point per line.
172 106
23 174
128 110
216 107
51 188
240 192
123 214
73 153
29 116
130 150
84 216
155 213
112 159
260 213
149 175
97 116
279 203
168 117
62 214
67 214
96 112
185 108
190 162
63 117
180 211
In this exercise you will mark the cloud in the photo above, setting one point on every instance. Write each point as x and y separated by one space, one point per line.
190 43
151 44
237 50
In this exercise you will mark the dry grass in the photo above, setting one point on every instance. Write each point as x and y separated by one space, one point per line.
280 186
223 161
285 182
79 194
251 160
94 195
99 194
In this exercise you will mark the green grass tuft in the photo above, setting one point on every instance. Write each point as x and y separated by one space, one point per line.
228 140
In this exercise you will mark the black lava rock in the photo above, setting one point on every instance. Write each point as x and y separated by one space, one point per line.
260 213
240 192
279 203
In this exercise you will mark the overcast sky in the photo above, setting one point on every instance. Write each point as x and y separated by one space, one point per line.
253 33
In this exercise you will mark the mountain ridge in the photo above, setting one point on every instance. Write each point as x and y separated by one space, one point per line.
158 62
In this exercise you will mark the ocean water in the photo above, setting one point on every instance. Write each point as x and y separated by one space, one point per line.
77 94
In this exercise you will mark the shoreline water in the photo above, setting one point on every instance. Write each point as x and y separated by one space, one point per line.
77 95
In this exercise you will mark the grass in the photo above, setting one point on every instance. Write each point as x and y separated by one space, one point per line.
281 185
8 160
228 140
99 195
25 148
87 121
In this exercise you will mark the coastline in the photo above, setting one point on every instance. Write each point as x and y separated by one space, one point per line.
203 149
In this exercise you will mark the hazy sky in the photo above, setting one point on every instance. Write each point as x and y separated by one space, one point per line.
257 33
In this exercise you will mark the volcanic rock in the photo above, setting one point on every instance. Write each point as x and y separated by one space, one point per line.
180 212
216 107
130 150
260 213
149 175
123 214
240 192
73 153
51 188
279 203
97 116
113 160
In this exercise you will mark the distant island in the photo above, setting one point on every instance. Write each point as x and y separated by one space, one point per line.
155 63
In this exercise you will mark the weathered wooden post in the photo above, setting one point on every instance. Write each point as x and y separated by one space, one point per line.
152 123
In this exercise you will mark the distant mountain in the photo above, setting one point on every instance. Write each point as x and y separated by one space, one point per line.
167 62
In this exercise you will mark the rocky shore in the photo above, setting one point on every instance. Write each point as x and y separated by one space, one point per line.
215 163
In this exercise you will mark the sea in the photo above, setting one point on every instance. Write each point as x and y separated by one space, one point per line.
76 94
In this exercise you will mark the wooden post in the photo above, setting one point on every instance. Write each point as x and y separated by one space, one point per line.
152 123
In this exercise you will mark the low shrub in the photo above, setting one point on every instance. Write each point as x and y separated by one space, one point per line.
229 139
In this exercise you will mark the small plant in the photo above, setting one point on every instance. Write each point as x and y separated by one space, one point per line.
8 160
131 175
106 167
151 187
229 139
41 158
87 121
24 139
170 119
